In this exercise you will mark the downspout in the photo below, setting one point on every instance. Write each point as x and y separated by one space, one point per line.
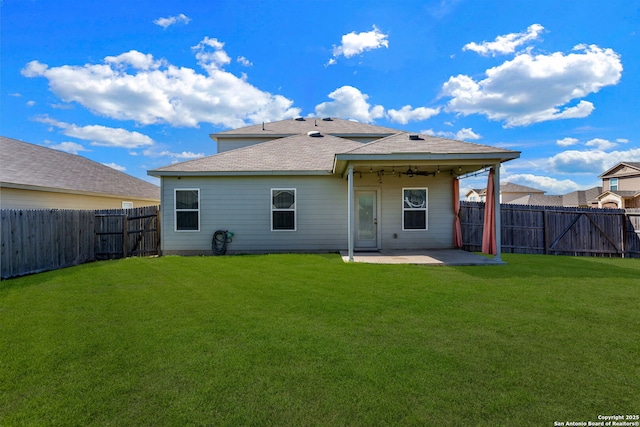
497 216
350 211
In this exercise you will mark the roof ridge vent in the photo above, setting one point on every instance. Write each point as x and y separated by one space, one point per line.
314 133
299 119
327 119
415 137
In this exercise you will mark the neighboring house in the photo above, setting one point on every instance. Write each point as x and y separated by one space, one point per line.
621 186
36 177
508 193
476 195
318 185
516 194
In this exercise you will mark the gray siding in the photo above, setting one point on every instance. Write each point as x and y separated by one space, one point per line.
242 205
234 144
439 213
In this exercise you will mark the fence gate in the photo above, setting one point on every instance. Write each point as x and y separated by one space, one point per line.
123 233
584 233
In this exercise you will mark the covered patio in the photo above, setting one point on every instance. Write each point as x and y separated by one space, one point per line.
440 257
425 165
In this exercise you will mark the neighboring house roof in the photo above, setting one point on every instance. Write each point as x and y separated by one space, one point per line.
327 126
477 191
581 197
623 194
537 199
34 167
509 187
635 166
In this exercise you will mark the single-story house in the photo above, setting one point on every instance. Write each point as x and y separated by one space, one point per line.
621 186
319 185
37 177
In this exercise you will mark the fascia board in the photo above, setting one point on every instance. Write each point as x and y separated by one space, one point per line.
429 156
237 173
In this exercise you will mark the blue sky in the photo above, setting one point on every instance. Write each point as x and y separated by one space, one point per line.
141 84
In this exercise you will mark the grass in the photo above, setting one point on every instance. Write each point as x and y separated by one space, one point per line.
308 340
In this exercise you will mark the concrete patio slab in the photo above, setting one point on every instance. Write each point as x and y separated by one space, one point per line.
453 257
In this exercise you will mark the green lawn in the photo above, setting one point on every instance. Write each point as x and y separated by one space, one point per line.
306 340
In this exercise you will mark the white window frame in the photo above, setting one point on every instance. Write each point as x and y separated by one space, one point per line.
611 185
294 210
175 210
425 209
127 205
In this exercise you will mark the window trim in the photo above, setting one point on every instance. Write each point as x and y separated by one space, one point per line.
425 209
175 210
617 185
295 209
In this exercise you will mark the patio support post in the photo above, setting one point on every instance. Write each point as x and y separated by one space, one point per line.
350 209
498 221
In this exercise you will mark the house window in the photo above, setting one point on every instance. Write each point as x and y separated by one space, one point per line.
187 210
283 209
414 208
127 205
613 184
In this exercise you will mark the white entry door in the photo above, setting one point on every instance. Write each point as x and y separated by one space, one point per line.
366 219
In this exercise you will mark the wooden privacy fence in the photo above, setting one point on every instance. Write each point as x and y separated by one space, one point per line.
557 230
39 240
130 232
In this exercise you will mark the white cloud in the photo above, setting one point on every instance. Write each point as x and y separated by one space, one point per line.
30 103
244 61
69 147
408 114
566 142
601 144
507 43
136 86
622 140
172 20
185 155
356 43
211 61
463 134
467 133
100 135
135 59
531 89
115 166
348 102
545 183
590 161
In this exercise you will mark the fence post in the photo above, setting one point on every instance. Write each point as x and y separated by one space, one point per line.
625 219
545 238
125 235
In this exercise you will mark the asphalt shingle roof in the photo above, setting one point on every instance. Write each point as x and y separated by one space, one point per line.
294 153
28 164
296 127
304 153
410 143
